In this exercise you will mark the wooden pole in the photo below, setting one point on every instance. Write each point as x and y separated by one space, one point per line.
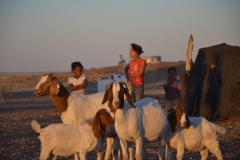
188 66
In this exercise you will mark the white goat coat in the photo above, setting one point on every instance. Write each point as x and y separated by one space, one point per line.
199 135
65 140
196 136
147 120
82 108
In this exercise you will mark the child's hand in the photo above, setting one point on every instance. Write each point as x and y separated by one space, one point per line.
170 81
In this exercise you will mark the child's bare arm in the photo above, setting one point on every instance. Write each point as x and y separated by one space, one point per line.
141 71
167 86
78 87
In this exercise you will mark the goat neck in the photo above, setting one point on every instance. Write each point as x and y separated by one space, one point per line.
60 103
59 95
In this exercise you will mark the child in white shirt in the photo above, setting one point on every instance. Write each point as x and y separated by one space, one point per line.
78 82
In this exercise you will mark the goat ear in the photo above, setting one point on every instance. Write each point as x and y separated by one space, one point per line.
172 119
170 113
124 85
96 125
127 94
129 99
109 85
106 118
106 95
55 87
50 76
188 122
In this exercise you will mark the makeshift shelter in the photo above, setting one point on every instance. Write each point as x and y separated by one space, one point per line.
212 87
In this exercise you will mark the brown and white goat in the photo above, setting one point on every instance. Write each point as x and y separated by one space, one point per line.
75 109
142 121
198 134
65 140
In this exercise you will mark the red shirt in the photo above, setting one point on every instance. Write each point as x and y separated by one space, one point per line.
134 67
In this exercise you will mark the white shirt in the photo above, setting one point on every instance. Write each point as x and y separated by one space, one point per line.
77 81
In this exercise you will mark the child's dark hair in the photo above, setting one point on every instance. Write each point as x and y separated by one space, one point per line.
76 64
137 48
172 68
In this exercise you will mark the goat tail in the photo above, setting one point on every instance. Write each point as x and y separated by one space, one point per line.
219 129
36 126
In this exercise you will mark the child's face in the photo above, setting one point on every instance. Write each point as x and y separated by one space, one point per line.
133 54
77 71
172 73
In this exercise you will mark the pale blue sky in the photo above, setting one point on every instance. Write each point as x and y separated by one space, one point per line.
48 35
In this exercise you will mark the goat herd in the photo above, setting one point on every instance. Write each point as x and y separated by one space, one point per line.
90 119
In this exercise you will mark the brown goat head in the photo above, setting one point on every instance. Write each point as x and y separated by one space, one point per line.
176 117
48 85
115 96
100 121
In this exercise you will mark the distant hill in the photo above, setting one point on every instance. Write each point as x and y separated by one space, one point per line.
154 76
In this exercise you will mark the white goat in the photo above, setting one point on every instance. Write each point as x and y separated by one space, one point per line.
65 140
199 135
145 122
75 109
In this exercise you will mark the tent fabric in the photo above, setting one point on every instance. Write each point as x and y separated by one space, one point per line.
212 89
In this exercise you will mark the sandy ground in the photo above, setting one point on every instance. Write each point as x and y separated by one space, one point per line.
19 142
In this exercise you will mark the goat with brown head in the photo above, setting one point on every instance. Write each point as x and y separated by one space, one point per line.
65 140
200 136
74 109
50 85
146 122
176 117
115 96
100 121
